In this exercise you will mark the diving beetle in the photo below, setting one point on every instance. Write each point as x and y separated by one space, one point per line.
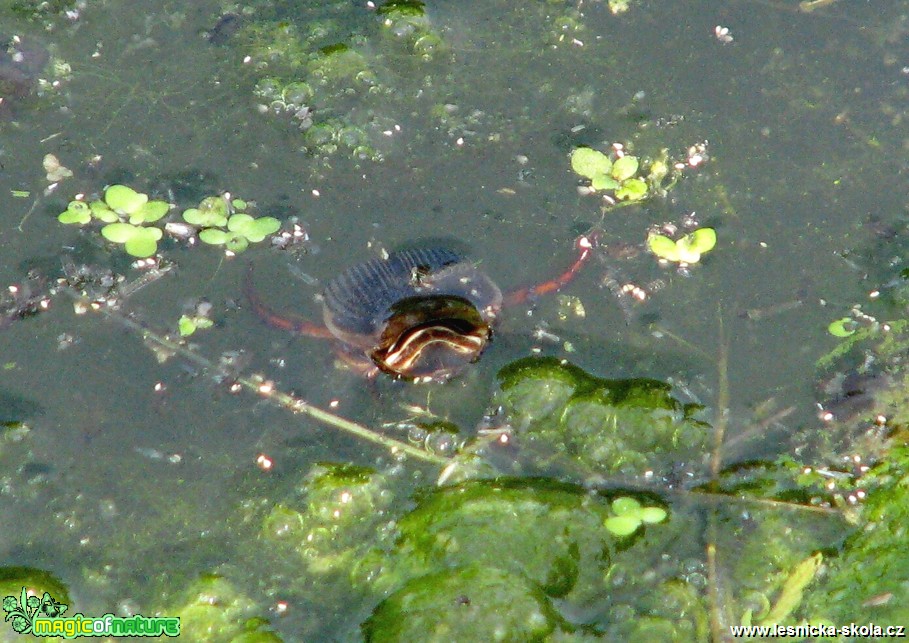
420 314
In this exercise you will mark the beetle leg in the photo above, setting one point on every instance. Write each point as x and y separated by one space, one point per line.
585 245
281 321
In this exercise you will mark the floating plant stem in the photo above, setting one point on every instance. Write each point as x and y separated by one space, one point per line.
259 385
718 599
722 412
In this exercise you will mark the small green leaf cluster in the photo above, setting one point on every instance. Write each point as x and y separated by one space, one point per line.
843 327
190 324
630 515
619 176
125 213
687 250
223 222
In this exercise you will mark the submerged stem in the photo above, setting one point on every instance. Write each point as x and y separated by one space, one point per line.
722 403
259 385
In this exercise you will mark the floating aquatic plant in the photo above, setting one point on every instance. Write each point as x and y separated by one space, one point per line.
120 203
630 515
843 327
128 204
138 241
214 214
124 211
606 174
686 250
78 212
188 325
221 220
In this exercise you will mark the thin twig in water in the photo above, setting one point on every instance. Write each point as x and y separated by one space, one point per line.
31 210
722 402
719 618
681 341
259 385
758 427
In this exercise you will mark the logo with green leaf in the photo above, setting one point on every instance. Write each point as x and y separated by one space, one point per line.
23 610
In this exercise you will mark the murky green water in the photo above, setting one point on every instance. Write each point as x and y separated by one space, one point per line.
128 494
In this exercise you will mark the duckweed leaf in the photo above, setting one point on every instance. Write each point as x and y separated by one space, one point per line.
701 240
663 247
653 515
214 236
211 213
194 216
103 213
629 515
266 226
589 162
841 327
123 199
237 244
688 249
149 212
239 223
77 212
625 505
119 232
188 325
144 243
239 204
624 168
255 230
138 241
232 241
622 525
632 190
205 217
603 182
